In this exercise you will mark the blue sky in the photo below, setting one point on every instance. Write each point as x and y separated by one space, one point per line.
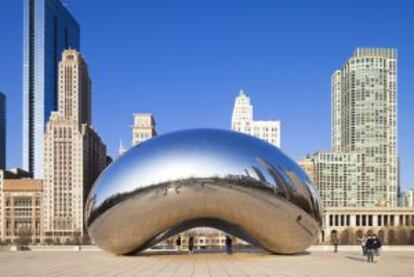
185 61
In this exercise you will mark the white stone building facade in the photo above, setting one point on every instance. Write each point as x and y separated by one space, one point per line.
349 225
74 153
143 128
242 121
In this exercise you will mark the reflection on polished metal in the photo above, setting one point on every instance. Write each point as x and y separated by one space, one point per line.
203 177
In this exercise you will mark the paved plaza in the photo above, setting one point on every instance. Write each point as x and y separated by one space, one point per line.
98 263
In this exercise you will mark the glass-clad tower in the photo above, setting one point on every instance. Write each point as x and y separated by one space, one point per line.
2 131
49 28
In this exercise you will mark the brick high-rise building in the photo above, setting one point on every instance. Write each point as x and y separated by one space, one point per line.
21 209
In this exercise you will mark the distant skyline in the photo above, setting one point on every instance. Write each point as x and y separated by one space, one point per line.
185 62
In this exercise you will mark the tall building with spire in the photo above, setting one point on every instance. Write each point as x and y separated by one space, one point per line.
48 29
74 153
122 149
242 121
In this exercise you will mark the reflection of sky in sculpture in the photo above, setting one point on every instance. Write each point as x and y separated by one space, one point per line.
199 153
222 179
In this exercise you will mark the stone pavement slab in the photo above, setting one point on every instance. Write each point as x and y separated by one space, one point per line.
202 264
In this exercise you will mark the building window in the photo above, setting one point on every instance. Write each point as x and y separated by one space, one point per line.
392 220
369 220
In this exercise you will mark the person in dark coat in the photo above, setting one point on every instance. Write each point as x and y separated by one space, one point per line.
229 245
191 244
377 246
369 245
335 243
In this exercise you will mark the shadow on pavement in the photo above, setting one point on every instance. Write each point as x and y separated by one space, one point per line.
208 251
356 258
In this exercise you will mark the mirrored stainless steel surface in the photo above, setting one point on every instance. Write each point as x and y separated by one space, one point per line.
203 177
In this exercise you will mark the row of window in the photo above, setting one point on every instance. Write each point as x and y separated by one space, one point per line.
368 220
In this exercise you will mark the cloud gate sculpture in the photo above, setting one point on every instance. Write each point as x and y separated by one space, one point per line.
203 177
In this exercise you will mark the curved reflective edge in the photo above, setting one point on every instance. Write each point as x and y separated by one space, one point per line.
169 163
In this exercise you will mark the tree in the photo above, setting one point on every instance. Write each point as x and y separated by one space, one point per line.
391 237
77 238
334 236
381 236
411 239
49 240
360 234
24 238
402 237
347 236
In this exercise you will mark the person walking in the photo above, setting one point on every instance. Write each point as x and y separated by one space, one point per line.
363 240
369 246
178 243
229 245
376 246
335 242
191 244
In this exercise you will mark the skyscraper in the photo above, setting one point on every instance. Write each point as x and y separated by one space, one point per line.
362 169
2 131
49 28
74 153
144 128
242 121
364 120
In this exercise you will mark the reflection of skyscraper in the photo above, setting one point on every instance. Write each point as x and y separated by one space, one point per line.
2 131
242 121
48 29
74 152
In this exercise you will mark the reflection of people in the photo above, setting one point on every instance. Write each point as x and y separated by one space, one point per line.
377 246
178 243
229 245
369 246
191 244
